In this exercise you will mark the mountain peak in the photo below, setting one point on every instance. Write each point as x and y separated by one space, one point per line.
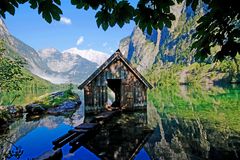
90 54
49 49
48 52
72 50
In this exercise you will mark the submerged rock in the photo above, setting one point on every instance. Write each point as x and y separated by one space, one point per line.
66 106
35 109
55 103
8 114
3 123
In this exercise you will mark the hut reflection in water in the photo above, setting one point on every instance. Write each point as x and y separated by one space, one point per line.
121 138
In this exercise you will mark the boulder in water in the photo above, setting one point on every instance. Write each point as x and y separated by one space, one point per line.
66 106
35 109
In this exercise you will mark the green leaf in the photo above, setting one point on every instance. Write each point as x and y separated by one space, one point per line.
79 4
2 13
56 9
149 29
14 3
112 21
104 26
47 16
22 1
120 24
74 2
168 23
86 7
10 8
57 2
99 22
33 4
56 16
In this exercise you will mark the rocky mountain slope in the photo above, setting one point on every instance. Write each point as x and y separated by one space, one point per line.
66 67
52 65
35 64
168 45
165 57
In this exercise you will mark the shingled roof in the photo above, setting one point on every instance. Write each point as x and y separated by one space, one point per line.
116 55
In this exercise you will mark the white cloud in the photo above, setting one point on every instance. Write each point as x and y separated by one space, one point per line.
65 20
80 40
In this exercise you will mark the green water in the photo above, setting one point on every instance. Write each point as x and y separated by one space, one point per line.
219 106
194 122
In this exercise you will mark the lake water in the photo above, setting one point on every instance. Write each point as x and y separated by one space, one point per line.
187 123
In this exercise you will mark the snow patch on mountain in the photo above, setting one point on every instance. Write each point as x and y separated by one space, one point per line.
48 52
65 67
91 55
57 61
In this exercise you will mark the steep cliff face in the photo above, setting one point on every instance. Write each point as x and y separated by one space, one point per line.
140 50
168 45
124 45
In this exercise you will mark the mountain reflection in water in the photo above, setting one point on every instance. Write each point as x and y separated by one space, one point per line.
177 138
176 134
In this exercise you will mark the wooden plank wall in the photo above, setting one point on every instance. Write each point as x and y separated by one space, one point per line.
133 91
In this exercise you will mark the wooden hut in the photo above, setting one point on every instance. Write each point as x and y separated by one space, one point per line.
117 74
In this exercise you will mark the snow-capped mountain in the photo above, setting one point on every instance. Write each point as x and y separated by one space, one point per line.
91 55
57 61
49 64
67 66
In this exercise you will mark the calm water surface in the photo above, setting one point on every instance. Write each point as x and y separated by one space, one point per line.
187 123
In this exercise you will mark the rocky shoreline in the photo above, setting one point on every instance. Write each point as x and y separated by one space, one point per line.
57 103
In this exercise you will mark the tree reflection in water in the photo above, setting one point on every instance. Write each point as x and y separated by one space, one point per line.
16 151
179 138
194 125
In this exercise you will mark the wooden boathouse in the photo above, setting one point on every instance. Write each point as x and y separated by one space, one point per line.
118 75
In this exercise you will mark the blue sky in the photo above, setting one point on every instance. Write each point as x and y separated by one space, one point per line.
76 26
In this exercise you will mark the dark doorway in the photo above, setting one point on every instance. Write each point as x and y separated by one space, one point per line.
115 86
